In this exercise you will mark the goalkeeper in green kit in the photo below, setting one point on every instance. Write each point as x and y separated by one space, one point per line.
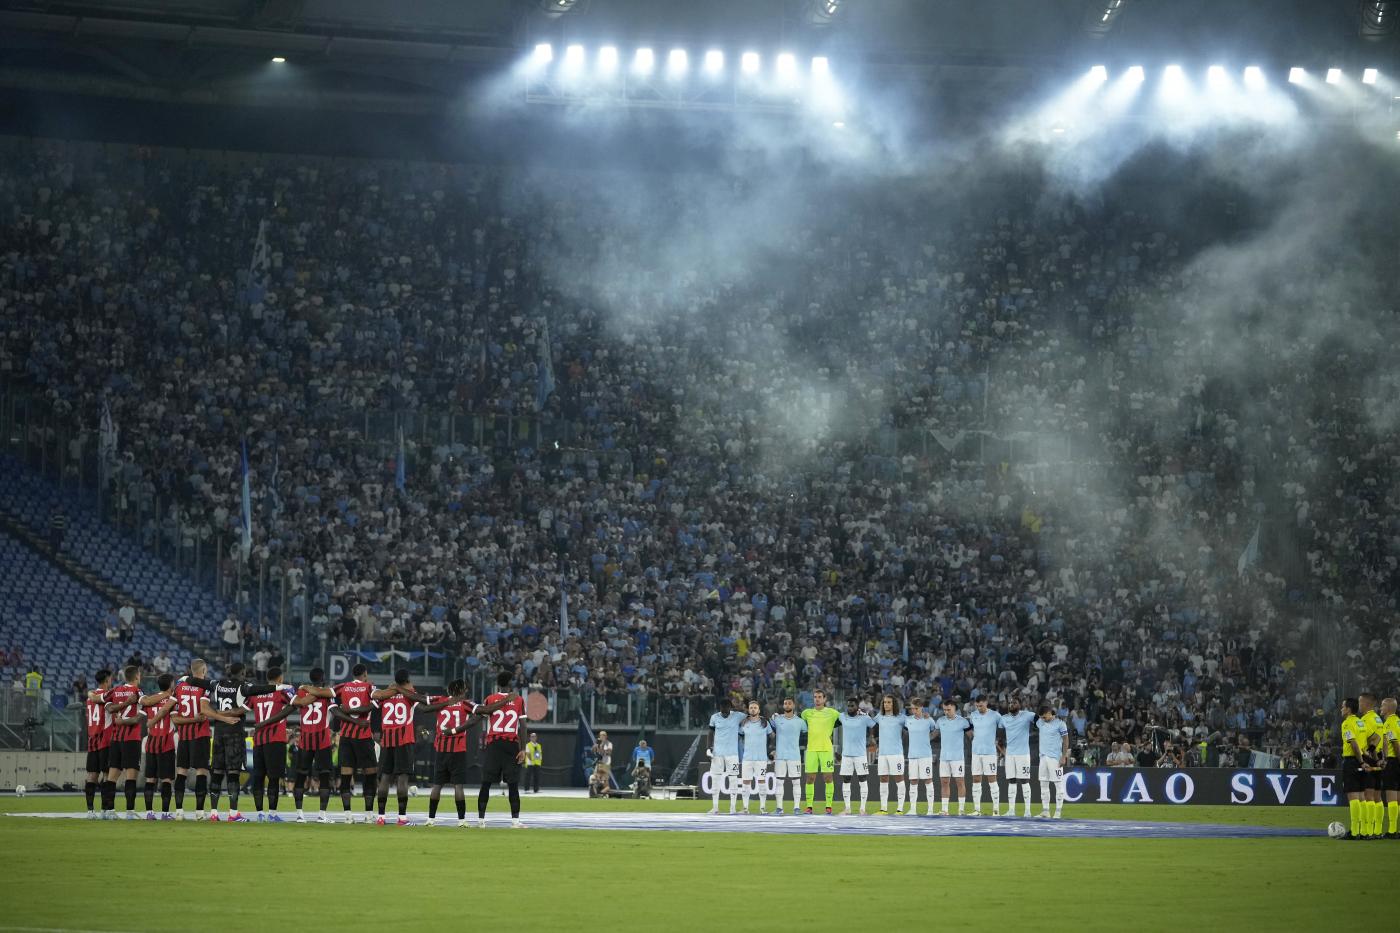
821 723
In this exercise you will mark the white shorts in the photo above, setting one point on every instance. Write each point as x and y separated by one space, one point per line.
787 768
950 768
854 765
1050 769
749 770
920 769
892 765
984 765
1018 767
724 764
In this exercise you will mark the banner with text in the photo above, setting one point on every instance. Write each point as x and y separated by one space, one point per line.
1209 786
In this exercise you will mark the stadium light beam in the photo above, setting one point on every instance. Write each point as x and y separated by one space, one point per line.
787 65
677 61
1099 74
279 60
714 61
750 63
1296 75
1334 76
544 53
573 57
1369 76
821 67
644 61
1216 76
1254 77
1174 84
607 59
1136 75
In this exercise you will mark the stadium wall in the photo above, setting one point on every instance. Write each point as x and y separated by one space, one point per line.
34 769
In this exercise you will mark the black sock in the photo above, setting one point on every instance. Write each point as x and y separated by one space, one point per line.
325 789
231 786
368 785
165 790
216 787
299 790
109 795
346 781
513 794
180 791
403 804
482 799
201 789
273 789
130 790
150 793
90 792
432 805
257 795
461 804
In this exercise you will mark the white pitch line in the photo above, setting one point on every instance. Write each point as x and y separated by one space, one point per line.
55 930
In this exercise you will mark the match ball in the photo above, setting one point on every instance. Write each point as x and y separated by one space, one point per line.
413 790
19 790
1336 830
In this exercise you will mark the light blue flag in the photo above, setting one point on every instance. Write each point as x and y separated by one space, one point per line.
247 507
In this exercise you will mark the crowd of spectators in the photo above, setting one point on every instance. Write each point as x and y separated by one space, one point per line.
932 444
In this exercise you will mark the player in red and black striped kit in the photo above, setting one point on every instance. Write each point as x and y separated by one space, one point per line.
160 747
99 733
270 712
193 732
354 704
397 741
314 741
505 749
124 748
454 718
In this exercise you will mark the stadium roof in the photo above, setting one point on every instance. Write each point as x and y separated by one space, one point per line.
415 56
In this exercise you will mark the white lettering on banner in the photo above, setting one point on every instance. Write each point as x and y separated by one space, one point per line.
1105 795
1242 788
733 784
1074 786
340 668
1324 790
1281 792
1176 780
1137 791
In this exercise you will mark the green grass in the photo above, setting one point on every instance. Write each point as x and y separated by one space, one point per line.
153 876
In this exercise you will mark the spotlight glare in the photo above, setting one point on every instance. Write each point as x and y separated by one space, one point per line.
607 58
714 61
573 56
1099 73
1136 74
1215 74
1334 76
1254 76
1369 76
787 65
644 61
1173 73
279 60
840 125
820 66
544 53
750 63
677 61
1296 75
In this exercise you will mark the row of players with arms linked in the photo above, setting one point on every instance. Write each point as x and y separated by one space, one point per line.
743 744
1371 766
195 726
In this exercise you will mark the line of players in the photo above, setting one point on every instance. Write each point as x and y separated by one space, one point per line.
195 726
741 747
1371 766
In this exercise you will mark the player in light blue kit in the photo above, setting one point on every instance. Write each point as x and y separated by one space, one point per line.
724 754
985 723
787 764
1054 752
755 732
1016 723
920 725
951 760
855 725
890 761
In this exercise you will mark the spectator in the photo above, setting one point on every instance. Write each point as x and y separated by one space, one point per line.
232 634
603 749
261 658
126 622
162 663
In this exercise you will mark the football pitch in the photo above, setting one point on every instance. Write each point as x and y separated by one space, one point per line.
65 874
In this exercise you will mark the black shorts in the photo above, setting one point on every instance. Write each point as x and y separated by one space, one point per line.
270 758
124 755
230 751
397 759
357 754
160 766
1373 780
192 754
1390 777
97 761
1353 778
449 768
500 764
314 761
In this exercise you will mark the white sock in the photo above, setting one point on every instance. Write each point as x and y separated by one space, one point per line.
995 791
864 793
796 793
747 792
899 790
1044 797
943 802
976 796
1011 797
716 785
1026 789
884 795
962 802
1059 796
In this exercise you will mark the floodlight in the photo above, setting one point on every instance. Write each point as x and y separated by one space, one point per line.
1216 76
1369 76
1334 76
820 66
750 63
644 61
1296 75
787 65
677 61
279 60
1254 77
573 56
607 58
714 61
544 53
1136 74
1099 73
